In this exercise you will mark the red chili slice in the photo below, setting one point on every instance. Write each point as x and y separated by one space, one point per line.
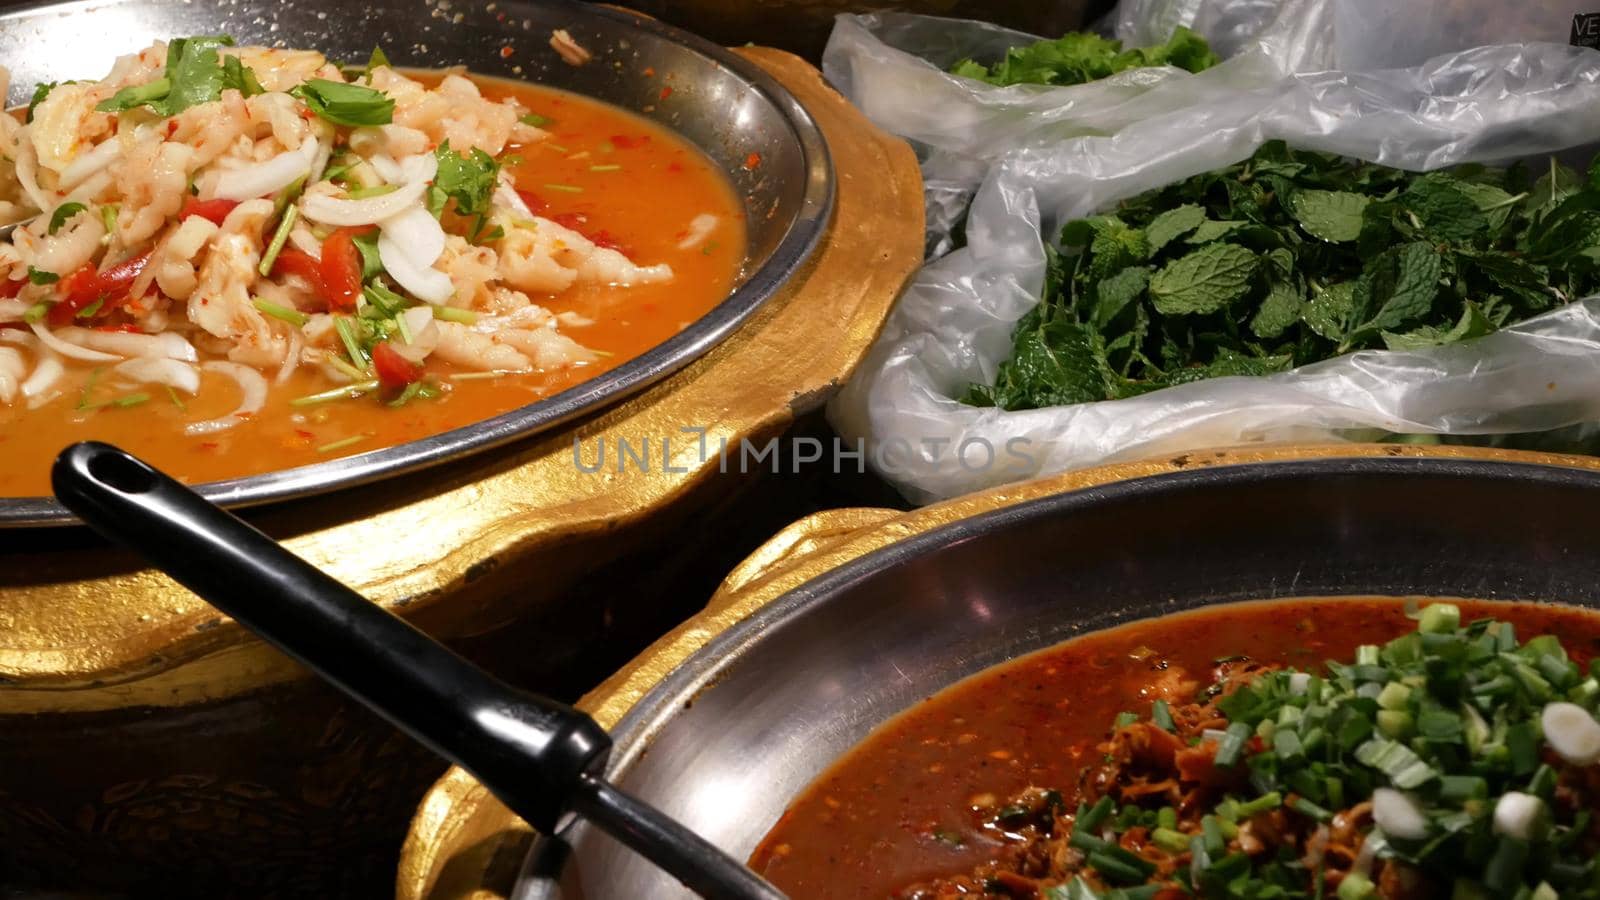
341 268
82 288
394 370
215 210
293 261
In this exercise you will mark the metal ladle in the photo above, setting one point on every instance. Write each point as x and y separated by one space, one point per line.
544 759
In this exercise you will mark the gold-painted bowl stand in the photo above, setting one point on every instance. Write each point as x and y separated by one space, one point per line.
148 742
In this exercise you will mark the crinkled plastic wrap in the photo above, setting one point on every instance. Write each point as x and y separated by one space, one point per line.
1358 35
894 66
954 325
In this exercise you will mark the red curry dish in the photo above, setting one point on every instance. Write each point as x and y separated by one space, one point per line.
1292 749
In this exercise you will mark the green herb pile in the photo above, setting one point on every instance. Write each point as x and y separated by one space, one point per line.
1290 258
1446 720
1081 58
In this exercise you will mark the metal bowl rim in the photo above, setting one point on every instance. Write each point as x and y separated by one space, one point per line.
602 391
636 729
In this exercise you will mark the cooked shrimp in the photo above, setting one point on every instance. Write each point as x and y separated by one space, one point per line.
221 302
72 247
154 177
176 263
465 347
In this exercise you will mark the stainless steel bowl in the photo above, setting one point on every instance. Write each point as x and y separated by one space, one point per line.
723 104
727 740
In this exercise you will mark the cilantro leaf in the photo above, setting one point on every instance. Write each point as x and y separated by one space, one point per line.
345 104
469 180
1203 281
195 74
40 276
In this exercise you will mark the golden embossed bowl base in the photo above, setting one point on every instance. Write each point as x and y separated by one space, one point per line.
149 745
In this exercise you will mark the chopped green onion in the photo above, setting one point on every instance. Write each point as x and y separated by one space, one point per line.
478 376
352 343
279 238
407 395
1089 821
564 188
455 314
64 214
176 400
88 388
1162 716
535 120
1306 808
36 313
282 313
108 216
1170 840
1124 719
1121 868
343 392
88 312
608 167
1356 886
41 277
1440 618
131 400
1232 744
341 444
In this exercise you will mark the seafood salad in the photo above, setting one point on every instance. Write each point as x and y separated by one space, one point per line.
244 214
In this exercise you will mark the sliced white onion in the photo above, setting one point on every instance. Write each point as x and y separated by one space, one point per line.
71 351
1299 683
387 167
408 249
291 360
1398 815
103 154
252 384
161 370
44 377
424 334
12 310
418 233
699 229
268 177
1572 732
166 345
1371 846
505 194
418 171
304 241
1213 734
1518 815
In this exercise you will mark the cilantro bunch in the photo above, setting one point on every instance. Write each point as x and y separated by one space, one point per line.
1290 258
1080 58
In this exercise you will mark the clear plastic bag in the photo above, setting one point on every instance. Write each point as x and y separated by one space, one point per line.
1360 35
893 66
953 327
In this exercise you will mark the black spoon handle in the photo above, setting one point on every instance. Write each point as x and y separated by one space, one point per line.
530 751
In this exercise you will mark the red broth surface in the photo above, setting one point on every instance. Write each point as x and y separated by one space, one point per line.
898 808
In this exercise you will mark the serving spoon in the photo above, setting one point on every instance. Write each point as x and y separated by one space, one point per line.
544 759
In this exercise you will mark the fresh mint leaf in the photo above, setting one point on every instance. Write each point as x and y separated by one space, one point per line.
1212 230
1398 286
1329 310
1053 365
1445 211
1330 215
1472 324
1116 246
345 104
1283 307
1173 224
1081 57
1204 281
1116 292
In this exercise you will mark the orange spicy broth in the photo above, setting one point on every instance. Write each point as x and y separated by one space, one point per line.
644 207
890 812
